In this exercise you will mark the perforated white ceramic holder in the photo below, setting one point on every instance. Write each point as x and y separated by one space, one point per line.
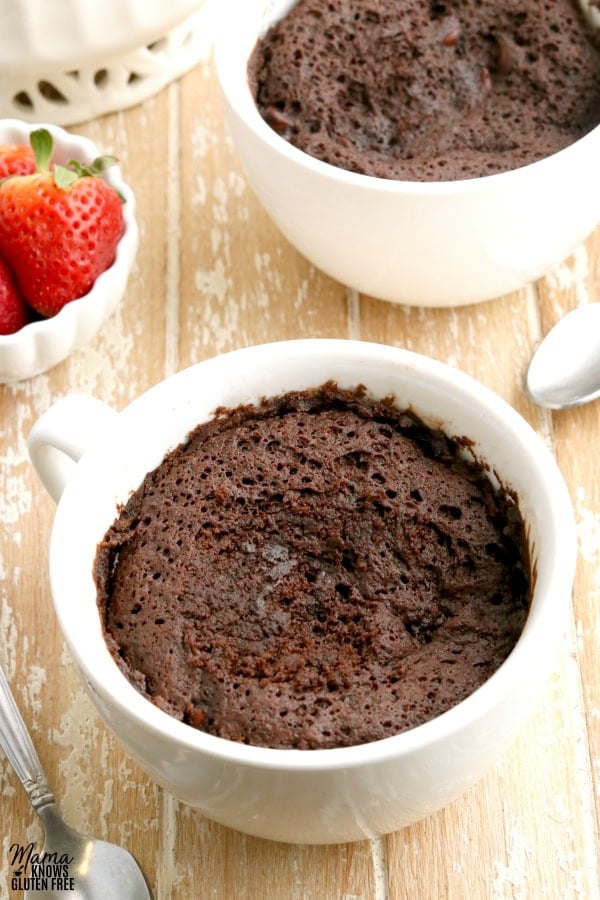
96 67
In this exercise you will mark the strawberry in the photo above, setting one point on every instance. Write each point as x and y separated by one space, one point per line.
16 159
59 229
13 309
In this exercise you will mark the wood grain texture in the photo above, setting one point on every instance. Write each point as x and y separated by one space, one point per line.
213 274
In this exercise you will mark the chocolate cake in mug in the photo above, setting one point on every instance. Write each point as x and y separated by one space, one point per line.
428 91
321 570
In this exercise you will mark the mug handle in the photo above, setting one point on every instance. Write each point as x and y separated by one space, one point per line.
61 434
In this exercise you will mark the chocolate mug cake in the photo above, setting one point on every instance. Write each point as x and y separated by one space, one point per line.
429 91
321 570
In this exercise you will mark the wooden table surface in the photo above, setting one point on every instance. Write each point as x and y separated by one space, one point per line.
213 274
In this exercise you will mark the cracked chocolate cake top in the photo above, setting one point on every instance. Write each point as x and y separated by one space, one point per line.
428 91
319 571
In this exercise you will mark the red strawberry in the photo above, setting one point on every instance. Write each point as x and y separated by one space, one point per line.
16 159
59 230
13 309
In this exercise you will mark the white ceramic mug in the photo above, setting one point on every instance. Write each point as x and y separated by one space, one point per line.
91 458
423 243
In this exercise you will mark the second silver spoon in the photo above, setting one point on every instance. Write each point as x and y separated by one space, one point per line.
565 369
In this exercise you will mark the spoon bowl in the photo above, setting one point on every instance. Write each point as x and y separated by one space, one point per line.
70 865
565 369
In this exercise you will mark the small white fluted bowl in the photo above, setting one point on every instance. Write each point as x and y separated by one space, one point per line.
43 344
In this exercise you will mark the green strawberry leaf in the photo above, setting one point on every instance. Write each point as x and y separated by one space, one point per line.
94 169
41 144
99 165
102 163
63 177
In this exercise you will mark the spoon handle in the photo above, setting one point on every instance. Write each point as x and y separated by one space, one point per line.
18 746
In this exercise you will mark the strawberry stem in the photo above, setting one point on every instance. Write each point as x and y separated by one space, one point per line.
63 177
42 145
99 165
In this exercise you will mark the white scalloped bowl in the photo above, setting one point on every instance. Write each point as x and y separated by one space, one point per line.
43 344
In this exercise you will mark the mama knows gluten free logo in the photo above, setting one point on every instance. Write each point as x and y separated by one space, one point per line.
32 871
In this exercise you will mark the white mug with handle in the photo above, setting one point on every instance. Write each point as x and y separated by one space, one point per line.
91 458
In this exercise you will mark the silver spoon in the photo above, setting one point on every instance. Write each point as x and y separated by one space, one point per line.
84 868
565 369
